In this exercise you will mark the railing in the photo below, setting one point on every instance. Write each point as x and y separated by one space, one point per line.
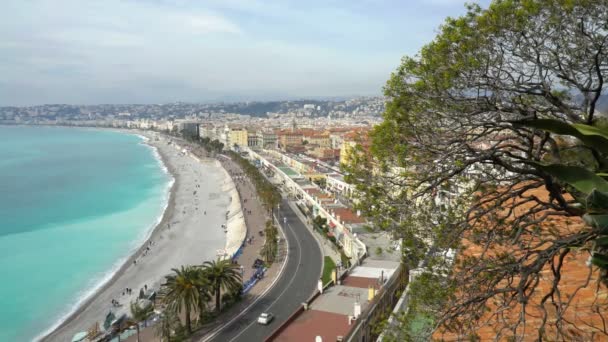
378 309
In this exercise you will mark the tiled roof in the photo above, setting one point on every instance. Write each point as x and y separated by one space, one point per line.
588 301
348 216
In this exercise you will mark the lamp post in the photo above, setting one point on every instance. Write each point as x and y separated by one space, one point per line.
278 212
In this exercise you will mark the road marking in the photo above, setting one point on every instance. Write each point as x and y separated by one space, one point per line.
219 329
322 254
285 289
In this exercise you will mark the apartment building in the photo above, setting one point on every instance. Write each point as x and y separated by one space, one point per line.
239 137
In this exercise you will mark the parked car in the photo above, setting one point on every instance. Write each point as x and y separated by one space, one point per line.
265 318
257 263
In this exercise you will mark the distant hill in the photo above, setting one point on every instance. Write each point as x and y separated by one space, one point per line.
355 107
603 105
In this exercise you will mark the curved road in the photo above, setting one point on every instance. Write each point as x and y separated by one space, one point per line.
296 284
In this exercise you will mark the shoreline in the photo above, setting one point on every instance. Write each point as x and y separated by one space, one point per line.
81 305
154 234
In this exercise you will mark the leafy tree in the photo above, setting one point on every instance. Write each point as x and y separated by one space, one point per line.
267 192
222 275
321 182
269 250
166 324
140 314
452 161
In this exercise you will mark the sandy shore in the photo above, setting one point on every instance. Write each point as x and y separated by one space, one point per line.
189 233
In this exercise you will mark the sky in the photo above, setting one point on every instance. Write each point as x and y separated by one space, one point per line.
159 51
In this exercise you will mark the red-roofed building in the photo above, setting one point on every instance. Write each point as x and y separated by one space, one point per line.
347 216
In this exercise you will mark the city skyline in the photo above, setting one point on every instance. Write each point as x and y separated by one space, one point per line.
167 51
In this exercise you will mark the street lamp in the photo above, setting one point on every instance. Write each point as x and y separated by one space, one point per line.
278 212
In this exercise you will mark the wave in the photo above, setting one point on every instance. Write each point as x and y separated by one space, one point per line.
97 283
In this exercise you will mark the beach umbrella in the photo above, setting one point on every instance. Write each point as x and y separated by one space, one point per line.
79 336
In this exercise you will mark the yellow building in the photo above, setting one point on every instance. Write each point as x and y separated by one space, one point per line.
238 136
345 150
289 138
319 139
350 141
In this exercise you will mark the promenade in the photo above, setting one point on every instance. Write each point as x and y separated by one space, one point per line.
196 197
255 220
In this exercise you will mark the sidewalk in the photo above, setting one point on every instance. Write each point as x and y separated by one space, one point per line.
327 247
255 220
255 216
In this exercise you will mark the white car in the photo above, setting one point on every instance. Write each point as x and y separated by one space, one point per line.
265 318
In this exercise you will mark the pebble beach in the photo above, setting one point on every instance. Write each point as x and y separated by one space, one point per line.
194 228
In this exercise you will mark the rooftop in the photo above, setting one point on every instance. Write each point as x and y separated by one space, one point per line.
313 323
348 216
288 171
341 299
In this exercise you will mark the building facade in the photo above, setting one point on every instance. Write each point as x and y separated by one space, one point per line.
238 136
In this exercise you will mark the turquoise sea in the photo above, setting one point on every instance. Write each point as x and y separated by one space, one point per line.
74 203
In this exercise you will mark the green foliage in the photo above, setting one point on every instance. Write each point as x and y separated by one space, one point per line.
594 137
188 290
268 193
455 116
270 249
585 181
231 297
211 146
182 291
140 314
580 178
321 182
167 323
328 268
344 259
221 275
426 294
320 223
332 239
597 218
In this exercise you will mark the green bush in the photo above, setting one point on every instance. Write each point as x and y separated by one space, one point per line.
328 267
333 240
345 259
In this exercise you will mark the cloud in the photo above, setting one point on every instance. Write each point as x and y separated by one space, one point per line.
95 37
205 23
75 51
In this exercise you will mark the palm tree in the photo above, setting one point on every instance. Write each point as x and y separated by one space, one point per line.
270 245
183 291
266 252
140 314
205 293
271 231
222 274
165 325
